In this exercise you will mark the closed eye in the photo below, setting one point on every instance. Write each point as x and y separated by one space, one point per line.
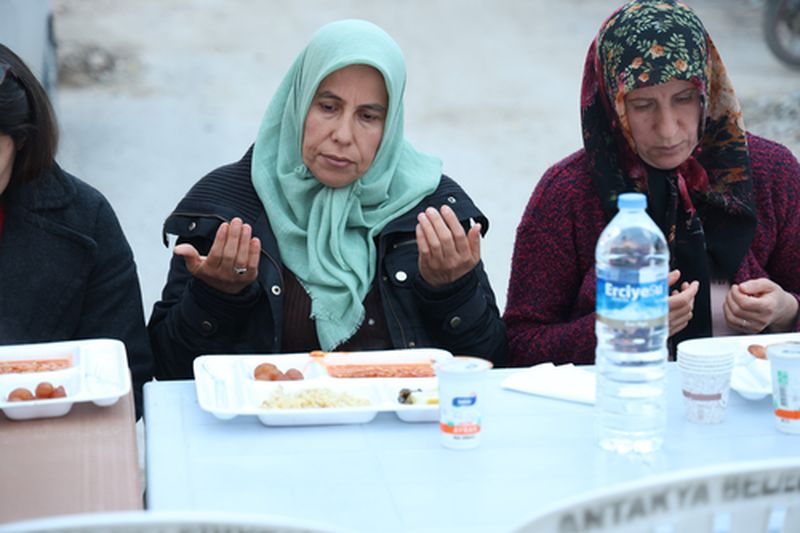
372 113
641 105
370 117
686 97
326 106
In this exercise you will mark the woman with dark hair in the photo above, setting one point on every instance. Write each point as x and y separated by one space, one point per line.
660 116
332 232
66 270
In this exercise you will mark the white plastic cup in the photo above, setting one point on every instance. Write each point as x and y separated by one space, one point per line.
698 369
705 379
461 395
701 354
784 362
705 395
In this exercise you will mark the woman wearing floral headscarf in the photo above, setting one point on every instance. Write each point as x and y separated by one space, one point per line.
659 116
332 232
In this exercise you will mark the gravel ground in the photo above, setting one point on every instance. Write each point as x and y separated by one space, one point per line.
155 93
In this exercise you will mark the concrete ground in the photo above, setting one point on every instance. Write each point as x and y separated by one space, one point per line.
155 93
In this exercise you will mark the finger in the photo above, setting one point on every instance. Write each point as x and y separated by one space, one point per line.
185 250
749 305
732 316
673 277
729 296
681 322
693 289
231 249
215 253
678 323
675 301
756 287
474 239
422 240
691 292
679 319
443 232
683 298
255 255
736 296
190 256
431 237
728 311
456 230
243 247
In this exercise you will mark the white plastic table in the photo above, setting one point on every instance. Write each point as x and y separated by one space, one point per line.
388 475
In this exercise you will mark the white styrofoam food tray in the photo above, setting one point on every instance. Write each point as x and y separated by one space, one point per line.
98 373
226 387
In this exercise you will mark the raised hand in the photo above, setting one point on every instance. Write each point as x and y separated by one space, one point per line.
681 302
231 263
446 251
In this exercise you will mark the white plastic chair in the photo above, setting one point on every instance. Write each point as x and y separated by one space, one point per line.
754 497
166 522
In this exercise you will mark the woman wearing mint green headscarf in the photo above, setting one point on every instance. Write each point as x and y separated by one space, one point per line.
332 232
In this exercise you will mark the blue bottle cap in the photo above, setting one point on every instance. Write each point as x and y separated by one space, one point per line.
632 200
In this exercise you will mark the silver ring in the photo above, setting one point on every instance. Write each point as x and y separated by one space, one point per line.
240 270
744 323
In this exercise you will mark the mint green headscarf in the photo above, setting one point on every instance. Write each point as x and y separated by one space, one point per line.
326 235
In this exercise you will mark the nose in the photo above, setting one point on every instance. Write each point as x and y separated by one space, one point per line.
666 124
342 131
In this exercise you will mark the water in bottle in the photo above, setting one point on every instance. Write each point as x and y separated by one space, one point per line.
632 263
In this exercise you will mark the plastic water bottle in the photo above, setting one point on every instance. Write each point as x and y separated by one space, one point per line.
632 263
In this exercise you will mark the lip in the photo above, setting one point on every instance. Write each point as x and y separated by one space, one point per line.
335 161
669 150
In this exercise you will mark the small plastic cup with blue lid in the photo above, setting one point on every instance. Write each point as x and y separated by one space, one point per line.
462 381
784 362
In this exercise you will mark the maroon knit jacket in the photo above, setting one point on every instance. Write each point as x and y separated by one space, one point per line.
551 294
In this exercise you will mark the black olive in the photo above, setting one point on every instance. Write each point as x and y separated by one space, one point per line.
404 396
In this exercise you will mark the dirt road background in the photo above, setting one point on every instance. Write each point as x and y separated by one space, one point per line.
155 93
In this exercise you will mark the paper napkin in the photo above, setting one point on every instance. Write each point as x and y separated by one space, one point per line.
752 380
563 382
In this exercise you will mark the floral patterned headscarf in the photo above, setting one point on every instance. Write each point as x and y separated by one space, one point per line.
705 206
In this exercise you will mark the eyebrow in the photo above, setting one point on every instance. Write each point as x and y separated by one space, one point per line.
684 92
374 107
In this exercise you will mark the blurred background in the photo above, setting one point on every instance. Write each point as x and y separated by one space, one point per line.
153 94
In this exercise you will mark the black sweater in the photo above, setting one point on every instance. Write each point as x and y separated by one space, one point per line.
193 319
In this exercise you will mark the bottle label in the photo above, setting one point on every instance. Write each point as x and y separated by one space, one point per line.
626 304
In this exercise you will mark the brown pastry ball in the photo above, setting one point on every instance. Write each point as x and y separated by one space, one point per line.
20 395
294 374
266 372
58 392
44 390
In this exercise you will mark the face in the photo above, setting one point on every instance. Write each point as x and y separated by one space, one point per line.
344 125
7 152
664 120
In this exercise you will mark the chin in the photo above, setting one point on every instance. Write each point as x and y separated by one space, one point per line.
334 181
667 163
